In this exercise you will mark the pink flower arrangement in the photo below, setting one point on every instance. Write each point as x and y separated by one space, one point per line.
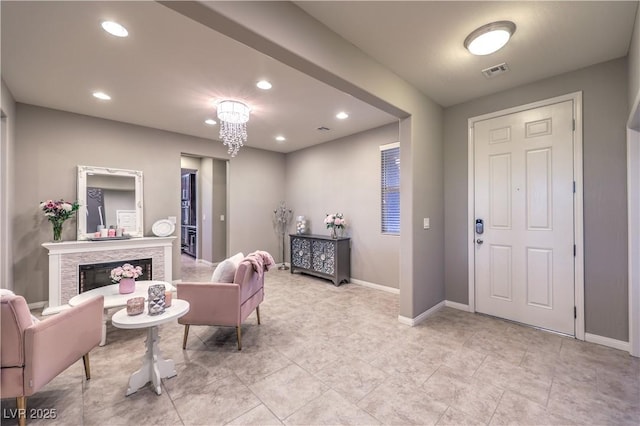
125 271
58 210
335 221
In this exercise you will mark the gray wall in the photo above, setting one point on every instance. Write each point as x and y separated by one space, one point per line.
604 88
219 207
634 62
50 144
7 147
344 176
212 232
286 33
205 197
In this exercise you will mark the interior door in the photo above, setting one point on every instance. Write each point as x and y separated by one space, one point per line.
524 197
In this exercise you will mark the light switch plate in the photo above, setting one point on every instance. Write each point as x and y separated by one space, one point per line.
172 219
426 223
221 218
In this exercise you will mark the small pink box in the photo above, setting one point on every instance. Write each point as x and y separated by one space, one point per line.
135 306
167 298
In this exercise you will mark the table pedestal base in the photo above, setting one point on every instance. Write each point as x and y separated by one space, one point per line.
105 317
154 367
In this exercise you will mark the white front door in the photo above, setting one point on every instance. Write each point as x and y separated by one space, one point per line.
524 196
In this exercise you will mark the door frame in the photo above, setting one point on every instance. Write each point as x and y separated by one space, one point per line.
633 206
578 207
5 231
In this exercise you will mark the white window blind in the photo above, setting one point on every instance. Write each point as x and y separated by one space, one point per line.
390 187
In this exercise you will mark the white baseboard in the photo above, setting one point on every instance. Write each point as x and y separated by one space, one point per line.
55 309
375 286
37 305
206 262
423 316
607 341
456 305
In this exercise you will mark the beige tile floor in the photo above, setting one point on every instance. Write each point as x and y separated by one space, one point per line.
339 356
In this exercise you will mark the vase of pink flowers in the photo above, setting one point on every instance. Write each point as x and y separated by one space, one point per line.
57 212
336 223
126 275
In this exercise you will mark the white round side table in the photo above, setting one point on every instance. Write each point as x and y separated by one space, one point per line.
113 298
154 367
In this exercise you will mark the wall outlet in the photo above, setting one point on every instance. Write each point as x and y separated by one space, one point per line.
426 223
172 219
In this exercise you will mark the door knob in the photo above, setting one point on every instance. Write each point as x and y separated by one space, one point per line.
479 241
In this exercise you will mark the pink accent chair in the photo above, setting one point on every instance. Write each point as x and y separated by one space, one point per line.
223 304
35 352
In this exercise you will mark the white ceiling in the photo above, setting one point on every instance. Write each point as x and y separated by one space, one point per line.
167 74
170 70
422 41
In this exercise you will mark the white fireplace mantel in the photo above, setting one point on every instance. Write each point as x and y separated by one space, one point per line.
65 258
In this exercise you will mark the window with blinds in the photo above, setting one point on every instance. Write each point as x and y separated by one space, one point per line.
390 187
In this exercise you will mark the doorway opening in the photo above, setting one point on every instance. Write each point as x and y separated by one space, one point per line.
188 211
203 219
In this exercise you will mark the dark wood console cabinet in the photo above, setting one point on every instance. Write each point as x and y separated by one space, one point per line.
321 256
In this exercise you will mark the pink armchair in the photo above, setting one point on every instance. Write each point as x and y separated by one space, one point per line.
223 304
34 352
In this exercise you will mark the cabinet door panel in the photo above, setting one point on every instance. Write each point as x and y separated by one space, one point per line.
323 254
301 253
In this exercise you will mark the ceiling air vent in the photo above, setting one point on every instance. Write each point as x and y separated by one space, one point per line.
495 70
323 129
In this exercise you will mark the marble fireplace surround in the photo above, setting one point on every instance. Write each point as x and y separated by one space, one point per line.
66 256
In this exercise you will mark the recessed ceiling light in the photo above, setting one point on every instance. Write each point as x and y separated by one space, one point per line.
489 38
264 85
210 122
102 96
115 29
281 138
342 115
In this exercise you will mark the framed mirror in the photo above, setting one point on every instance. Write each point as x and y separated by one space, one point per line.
109 197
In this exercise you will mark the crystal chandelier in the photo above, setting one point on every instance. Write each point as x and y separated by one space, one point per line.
233 116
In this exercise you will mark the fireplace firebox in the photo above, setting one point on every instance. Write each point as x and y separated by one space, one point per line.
97 275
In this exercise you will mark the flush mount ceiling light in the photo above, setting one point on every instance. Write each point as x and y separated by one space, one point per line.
210 122
102 96
489 38
115 29
281 138
264 85
233 116
342 115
